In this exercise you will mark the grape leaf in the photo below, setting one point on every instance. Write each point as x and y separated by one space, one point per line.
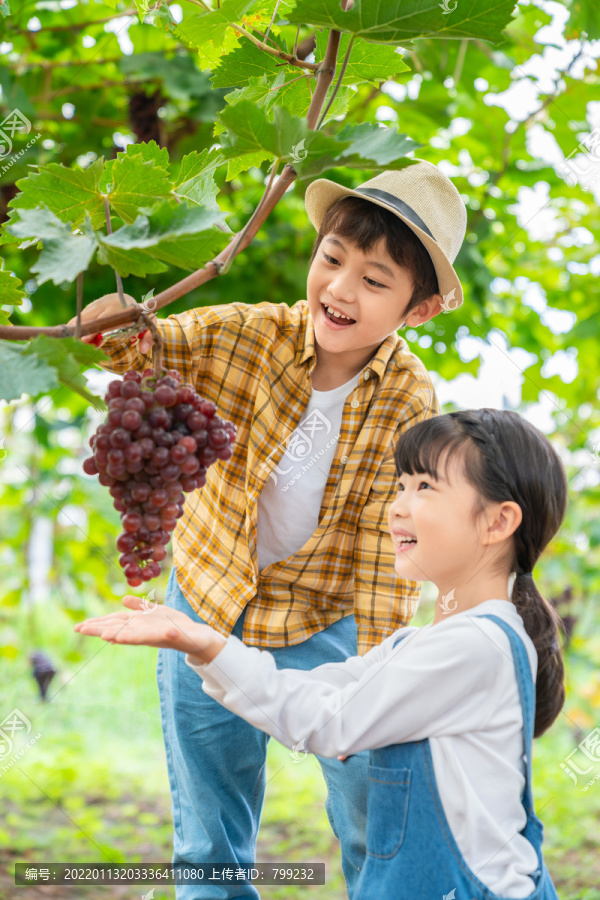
195 180
375 146
211 27
64 254
23 375
179 235
134 184
367 63
398 21
69 193
245 62
69 358
249 130
10 292
4 8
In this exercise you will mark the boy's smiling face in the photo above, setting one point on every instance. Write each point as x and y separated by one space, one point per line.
371 289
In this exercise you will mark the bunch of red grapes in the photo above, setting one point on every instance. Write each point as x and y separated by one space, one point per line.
157 442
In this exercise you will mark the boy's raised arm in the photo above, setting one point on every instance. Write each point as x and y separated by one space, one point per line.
136 354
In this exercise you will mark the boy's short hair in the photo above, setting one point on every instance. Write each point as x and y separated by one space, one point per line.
364 223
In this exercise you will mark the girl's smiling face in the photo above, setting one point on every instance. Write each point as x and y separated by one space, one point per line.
436 529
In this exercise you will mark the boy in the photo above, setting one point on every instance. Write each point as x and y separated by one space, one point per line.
287 545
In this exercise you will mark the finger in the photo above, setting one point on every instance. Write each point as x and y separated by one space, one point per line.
146 342
133 602
116 618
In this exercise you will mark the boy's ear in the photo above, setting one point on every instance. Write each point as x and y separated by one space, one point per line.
424 311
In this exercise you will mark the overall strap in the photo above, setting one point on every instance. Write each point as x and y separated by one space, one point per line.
527 696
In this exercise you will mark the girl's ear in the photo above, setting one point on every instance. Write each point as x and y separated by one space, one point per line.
503 519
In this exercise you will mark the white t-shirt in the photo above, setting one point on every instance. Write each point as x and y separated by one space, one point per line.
289 504
453 682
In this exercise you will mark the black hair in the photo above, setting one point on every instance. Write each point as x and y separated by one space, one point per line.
505 458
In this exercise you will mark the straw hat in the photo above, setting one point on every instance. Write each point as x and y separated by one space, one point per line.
425 199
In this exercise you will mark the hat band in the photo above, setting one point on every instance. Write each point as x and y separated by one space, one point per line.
399 205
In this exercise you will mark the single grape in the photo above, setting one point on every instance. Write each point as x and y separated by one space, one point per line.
114 417
131 419
132 376
137 404
120 436
159 497
130 389
125 542
132 522
115 457
89 466
183 411
165 395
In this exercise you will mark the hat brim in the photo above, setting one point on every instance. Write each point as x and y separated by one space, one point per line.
322 193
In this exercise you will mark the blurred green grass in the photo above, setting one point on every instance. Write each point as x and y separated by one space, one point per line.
94 786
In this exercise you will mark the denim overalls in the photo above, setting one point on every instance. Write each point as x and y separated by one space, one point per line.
411 851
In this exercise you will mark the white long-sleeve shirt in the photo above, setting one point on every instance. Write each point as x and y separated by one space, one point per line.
453 682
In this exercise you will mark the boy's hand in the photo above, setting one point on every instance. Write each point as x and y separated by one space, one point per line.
108 305
159 627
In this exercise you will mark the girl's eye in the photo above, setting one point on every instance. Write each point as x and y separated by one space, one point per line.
424 483
330 259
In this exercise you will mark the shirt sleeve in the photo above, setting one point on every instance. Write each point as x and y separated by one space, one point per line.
382 601
435 682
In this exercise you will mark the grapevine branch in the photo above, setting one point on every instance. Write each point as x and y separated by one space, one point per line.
273 193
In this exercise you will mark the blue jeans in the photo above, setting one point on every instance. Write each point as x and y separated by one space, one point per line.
216 763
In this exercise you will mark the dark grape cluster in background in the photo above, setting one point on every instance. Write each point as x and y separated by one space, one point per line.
157 442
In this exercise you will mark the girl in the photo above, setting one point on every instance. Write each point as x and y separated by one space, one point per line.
448 710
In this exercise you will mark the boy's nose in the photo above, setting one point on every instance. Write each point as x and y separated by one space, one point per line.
342 288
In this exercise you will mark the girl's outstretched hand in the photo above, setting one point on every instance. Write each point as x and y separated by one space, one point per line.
157 626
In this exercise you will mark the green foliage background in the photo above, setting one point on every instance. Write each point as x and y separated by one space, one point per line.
202 91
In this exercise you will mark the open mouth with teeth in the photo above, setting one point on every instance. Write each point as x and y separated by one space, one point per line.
336 317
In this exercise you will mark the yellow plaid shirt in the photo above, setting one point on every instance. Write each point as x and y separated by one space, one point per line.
255 363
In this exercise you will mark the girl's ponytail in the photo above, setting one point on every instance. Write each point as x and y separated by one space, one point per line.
542 624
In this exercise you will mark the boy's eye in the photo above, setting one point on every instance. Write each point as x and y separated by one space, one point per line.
424 484
330 259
